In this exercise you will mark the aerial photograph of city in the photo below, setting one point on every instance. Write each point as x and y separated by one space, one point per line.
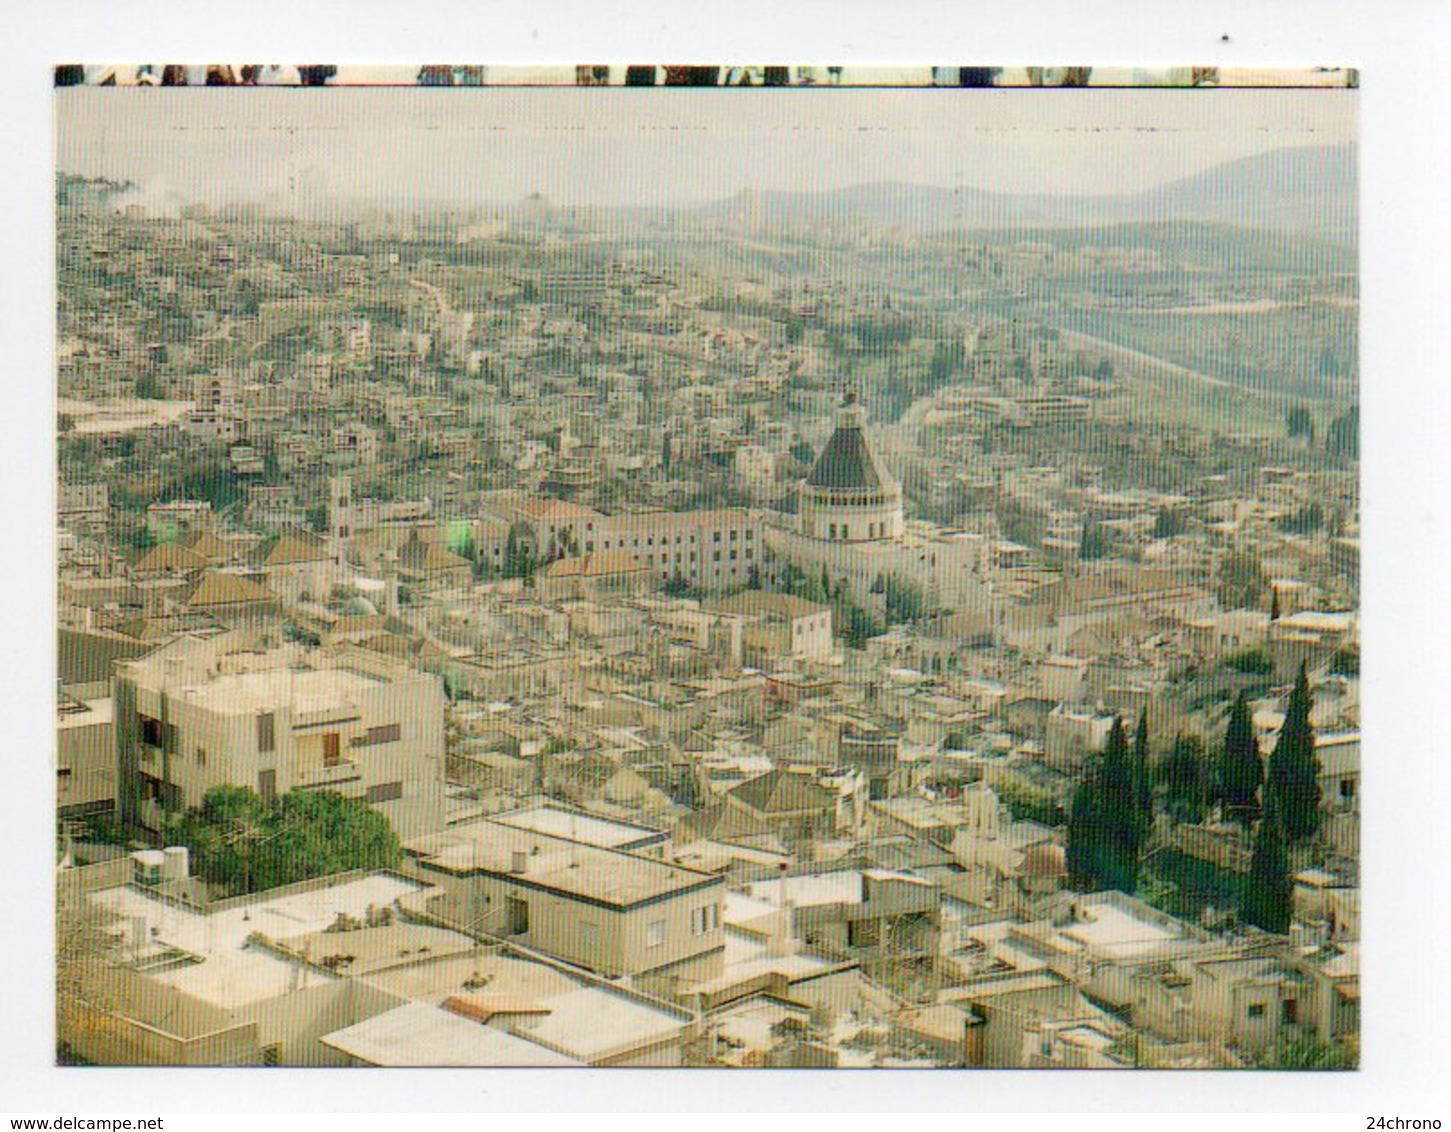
707 567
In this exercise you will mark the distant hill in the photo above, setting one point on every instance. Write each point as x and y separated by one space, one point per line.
1301 190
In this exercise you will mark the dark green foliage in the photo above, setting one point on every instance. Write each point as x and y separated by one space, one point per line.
317 518
149 388
1186 781
1105 828
1294 768
1241 771
1252 662
1026 802
1307 520
1168 523
675 586
519 558
1269 890
803 453
1306 1051
1096 542
1242 583
861 626
215 484
1343 436
904 601
1346 662
1143 780
1299 423
947 361
246 844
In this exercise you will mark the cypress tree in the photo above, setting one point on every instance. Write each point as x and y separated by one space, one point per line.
1274 603
1294 768
1086 840
1269 890
1241 773
1143 783
1185 780
1104 829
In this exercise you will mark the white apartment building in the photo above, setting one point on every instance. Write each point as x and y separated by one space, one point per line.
230 711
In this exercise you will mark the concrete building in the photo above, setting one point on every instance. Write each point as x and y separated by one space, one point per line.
199 714
608 911
779 626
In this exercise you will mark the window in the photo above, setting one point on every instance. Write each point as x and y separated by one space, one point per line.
733 556
385 733
267 785
655 934
833 530
750 535
201 756
704 920
385 792
733 535
331 754
1256 1010
717 557
1347 789
266 733
1289 1011
715 536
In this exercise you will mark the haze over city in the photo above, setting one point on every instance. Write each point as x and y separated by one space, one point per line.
622 147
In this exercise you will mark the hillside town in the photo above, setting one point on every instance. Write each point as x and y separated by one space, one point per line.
530 637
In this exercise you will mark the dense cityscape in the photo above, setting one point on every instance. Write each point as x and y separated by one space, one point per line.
800 630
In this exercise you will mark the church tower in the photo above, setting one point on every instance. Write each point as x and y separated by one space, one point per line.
849 497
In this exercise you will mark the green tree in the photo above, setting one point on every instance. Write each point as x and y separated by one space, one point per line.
904 601
1299 424
1168 523
1143 781
1241 770
1185 781
861 626
1293 774
1105 828
246 844
1342 438
1242 582
317 517
1095 542
1269 890
1307 520
1306 1051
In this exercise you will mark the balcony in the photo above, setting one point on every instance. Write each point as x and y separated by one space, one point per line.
342 771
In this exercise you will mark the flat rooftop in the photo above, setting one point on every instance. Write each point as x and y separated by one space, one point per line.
591 1024
306 691
229 971
811 889
1119 933
419 1035
584 828
584 872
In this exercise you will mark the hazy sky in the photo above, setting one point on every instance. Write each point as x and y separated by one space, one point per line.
643 146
